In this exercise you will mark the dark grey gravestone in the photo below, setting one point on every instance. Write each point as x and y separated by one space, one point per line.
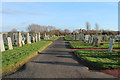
111 45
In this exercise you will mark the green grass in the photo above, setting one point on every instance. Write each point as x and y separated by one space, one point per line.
19 54
82 45
76 42
6 47
68 38
108 42
55 38
100 59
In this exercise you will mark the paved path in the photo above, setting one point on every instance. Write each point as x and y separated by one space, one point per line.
56 61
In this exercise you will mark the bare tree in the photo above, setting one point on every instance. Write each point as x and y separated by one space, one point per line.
96 27
87 26
14 30
66 31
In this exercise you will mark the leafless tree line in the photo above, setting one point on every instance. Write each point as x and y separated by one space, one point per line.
34 28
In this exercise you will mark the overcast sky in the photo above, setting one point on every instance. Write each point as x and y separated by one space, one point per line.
62 15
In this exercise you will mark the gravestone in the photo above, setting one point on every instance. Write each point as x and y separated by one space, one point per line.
9 43
45 36
92 40
28 39
75 36
87 37
111 45
5 39
33 39
19 39
10 34
23 40
38 36
23 43
97 41
105 37
15 38
2 48
81 35
118 37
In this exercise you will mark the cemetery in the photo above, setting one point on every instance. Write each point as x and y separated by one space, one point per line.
95 52
48 39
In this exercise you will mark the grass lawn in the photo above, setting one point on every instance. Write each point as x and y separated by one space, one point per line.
100 59
12 59
68 38
82 45
108 42
6 47
55 38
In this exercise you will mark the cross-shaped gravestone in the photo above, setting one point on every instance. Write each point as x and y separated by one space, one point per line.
9 43
111 45
2 48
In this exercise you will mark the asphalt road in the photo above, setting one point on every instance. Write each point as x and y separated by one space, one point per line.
56 61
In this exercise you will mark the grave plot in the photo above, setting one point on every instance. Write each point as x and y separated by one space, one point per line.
85 45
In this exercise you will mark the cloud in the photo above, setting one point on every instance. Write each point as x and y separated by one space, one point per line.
12 11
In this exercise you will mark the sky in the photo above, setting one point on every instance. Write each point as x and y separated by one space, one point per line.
62 15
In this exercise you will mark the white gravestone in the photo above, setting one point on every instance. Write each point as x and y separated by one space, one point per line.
23 43
19 39
2 48
33 39
111 45
9 43
28 39
87 37
36 37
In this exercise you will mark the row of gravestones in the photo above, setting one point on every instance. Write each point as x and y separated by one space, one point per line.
95 40
104 38
19 39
